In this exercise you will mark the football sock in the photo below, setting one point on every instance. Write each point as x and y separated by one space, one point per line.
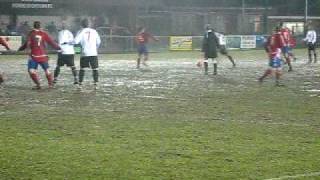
267 73
278 74
81 75
74 73
310 57
56 72
205 64
232 61
35 78
95 75
49 78
289 63
1 79
138 62
215 68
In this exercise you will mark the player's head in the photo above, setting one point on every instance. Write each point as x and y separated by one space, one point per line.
277 28
63 25
141 29
207 27
37 25
85 23
281 25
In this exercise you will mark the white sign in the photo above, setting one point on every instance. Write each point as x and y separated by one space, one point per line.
31 6
248 42
43 1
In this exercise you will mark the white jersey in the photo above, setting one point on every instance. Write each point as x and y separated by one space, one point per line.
65 42
221 37
311 37
90 41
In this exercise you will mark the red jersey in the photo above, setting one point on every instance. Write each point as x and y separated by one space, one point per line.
287 36
37 41
143 37
274 45
4 43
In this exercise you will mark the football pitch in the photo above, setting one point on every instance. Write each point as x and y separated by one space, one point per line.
165 121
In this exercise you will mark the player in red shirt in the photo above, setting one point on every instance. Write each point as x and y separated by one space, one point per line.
273 48
286 49
37 41
4 43
142 39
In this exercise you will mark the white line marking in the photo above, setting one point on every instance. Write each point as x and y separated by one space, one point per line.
296 176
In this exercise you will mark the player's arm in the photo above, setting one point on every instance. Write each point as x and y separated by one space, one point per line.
314 39
78 37
150 36
217 41
136 38
98 40
155 38
307 36
51 42
24 45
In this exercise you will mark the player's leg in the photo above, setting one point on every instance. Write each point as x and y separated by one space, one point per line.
288 61
45 67
84 63
140 52
32 70
138 61
277 67
206 66
1 79
224 52
315 54
95 73
285 51
75 74
291 54
145 56
69 61
232 60
57 69
267 72
56 74
310 49
215 66
278 74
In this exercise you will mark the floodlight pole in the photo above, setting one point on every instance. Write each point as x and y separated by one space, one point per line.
306 14
242 16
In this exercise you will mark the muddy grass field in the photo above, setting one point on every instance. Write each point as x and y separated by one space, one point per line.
166 121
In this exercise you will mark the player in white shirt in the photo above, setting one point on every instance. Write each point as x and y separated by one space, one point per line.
223 48
90 41
66 56
311 40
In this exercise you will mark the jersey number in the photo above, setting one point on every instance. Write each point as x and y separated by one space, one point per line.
38 39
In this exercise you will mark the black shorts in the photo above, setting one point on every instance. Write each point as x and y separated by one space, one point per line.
89 61
65 59
311 47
